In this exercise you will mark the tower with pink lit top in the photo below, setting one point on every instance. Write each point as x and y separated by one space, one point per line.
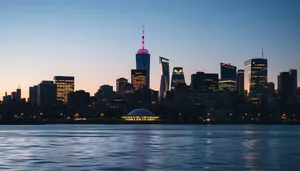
143 59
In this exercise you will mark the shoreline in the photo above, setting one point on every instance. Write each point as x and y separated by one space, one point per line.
118 122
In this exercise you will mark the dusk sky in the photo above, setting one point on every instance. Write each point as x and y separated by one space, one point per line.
96 40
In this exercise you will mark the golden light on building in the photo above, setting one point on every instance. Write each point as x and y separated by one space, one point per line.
76 116
138 78
283 116
141 115
65 85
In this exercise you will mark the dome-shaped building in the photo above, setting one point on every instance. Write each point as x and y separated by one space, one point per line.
140 115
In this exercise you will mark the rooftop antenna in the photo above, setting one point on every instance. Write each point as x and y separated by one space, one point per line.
262 52
19 87
143 37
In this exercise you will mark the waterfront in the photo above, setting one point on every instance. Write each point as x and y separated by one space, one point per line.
150 147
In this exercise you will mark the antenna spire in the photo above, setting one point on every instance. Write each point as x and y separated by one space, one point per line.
143 37
262 52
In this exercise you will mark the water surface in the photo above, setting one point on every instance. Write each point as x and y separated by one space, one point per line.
150 147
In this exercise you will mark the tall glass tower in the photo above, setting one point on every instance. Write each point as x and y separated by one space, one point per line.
143 60
256 79
165 78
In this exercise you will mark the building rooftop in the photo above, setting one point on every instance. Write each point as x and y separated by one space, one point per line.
140 112
143 51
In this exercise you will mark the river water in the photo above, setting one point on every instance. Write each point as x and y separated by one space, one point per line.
150 147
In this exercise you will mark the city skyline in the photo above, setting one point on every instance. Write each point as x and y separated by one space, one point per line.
38 39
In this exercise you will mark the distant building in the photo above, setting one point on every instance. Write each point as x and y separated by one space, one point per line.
105 93
294 79
143 60
46 94
286 87
33 95
177 77
240 82
165 78
65 85
138 78
228 77
256 79
205 82
121 84
79 99
271 87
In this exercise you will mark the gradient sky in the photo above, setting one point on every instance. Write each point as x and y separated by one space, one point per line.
96 40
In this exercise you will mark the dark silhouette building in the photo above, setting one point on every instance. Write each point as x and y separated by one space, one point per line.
177 77
240 82
33 96
285 87
105 93
121 84
205 82
46 94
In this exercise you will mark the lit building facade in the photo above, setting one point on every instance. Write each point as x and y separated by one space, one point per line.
256 79
177 77
143 60
228 77
165 78
65 85
121 84
240 82
138 78
141 115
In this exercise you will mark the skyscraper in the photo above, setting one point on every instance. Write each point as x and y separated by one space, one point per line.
65 85
228 77
240 82
256 79
46 94
294 79
286 85
205 82
121 84
33 93
143 60
138 78
177 77
165 78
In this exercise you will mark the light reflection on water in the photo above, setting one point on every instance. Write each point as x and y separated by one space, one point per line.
149 147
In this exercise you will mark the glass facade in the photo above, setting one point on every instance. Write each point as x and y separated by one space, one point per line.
228 77
205 82
65 85
240 82
121 85
138 78
177 77
165 78
143 63
256 79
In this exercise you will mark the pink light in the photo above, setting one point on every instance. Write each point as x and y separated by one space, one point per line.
143 51
143 38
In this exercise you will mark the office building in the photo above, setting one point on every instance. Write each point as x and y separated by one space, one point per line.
228 77
65 85
177 77
143 60
165 78
205 82
240 82
33 95
256 79
271 87
138 78
286 85
294 79
46 94
121 84
105 93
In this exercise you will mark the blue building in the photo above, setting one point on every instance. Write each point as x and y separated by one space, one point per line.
143 60
165 78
